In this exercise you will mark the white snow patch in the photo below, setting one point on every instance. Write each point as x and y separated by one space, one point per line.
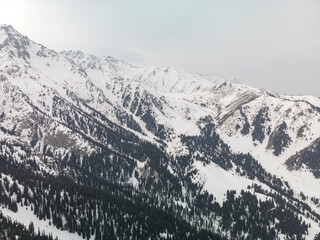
217 180
25 216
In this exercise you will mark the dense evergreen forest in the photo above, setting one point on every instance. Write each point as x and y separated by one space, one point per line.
87 210
83 203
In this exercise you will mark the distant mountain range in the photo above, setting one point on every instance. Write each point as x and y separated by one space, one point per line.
96 148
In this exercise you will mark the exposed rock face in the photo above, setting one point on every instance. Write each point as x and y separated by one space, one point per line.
310 157
260 124
279 139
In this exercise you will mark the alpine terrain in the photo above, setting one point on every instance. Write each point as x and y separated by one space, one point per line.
96 148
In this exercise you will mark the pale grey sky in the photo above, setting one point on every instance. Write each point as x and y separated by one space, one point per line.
271 44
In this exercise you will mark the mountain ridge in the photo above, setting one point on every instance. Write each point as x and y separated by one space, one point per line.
203 144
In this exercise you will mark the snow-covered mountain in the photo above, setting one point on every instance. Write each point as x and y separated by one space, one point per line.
212 153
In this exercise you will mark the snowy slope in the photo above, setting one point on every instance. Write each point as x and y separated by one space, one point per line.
190 97
73 102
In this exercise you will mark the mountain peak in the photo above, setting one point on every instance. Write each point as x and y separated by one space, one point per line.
10 36
116 61
6 26
13 43
111 59
73 54
8 30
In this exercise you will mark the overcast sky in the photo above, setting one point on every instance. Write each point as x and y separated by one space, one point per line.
271 44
